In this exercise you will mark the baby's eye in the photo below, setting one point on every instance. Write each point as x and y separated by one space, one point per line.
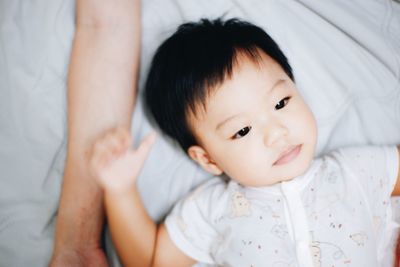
244 131
282 103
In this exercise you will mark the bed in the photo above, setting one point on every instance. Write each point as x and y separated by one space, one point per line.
346 61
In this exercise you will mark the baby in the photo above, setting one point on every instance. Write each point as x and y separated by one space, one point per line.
226 93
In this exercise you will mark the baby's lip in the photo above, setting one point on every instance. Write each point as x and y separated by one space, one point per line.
288 155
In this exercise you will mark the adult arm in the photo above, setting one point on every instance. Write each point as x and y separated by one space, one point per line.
102 80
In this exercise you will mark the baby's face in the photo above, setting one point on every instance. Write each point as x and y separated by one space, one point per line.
256 127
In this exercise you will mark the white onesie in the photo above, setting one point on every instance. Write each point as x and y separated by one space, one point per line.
337 214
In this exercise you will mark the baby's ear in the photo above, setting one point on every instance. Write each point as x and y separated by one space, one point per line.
198 154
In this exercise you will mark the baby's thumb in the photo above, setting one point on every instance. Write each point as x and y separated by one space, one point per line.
145 146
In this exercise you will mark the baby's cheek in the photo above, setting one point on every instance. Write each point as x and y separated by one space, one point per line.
312 130
305 123
240 171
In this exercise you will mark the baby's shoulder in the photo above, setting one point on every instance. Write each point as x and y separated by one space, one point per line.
355 155
358 161
215 188
208 200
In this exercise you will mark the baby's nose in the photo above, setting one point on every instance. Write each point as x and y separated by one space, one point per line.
274 134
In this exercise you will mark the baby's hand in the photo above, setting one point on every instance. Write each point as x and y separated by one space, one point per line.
114 163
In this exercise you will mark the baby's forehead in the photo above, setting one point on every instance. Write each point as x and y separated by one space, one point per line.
247 71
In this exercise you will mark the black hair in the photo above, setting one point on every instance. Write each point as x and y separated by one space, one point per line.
198 57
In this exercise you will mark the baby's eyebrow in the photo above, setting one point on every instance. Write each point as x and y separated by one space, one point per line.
226 120
276 85
219 125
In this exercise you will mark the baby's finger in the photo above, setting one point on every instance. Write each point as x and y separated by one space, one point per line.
108 148
96 160
98 149
124 139
145 146
112 142
100 155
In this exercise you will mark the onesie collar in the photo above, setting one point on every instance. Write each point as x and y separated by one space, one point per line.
298 183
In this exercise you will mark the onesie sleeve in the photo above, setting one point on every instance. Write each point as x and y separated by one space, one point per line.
190 226
376 169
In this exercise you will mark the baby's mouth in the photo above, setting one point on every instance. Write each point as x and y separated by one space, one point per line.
288 155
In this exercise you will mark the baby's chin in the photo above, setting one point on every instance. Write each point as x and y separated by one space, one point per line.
279 180
300 170
297 171
263 182
296 168
273 181
279 173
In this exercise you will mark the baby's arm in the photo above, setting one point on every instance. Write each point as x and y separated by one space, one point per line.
139 241
396 190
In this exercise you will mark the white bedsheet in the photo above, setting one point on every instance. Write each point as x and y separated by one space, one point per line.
346 60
